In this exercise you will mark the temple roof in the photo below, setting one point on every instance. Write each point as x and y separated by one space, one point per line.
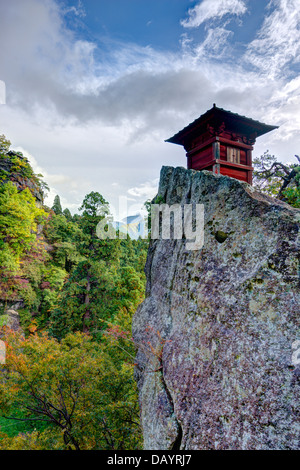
215 117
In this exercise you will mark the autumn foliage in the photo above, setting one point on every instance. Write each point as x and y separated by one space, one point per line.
74 388
66 383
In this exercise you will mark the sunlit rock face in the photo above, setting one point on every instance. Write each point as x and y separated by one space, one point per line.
217 362
11 171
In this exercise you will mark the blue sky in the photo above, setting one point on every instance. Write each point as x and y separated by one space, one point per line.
156 23
143 22
94 87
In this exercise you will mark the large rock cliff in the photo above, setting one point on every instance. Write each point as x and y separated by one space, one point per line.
217 364
16 168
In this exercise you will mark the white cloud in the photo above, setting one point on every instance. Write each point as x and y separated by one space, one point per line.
97 120
56 182
145 190
211 9
215 44
277 45
40 58
78 11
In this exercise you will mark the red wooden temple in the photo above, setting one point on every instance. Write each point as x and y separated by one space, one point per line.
222 142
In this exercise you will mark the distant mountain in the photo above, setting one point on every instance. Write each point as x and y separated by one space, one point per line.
133 225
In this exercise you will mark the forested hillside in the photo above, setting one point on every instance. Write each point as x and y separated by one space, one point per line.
68 377
66 304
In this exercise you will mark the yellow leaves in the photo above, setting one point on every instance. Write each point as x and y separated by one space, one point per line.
75 376
19 216
32 327
35 440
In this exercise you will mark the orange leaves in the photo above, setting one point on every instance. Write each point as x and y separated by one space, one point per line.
116 332
32 327
153 348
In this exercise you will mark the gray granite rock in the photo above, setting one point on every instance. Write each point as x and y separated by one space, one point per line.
11 319
217 331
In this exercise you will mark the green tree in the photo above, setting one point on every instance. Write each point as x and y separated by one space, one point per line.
57 205
134 253
65 237
87 400
4 144
277 179
89 293
22 250
19 218
94 209
67 214
88 297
